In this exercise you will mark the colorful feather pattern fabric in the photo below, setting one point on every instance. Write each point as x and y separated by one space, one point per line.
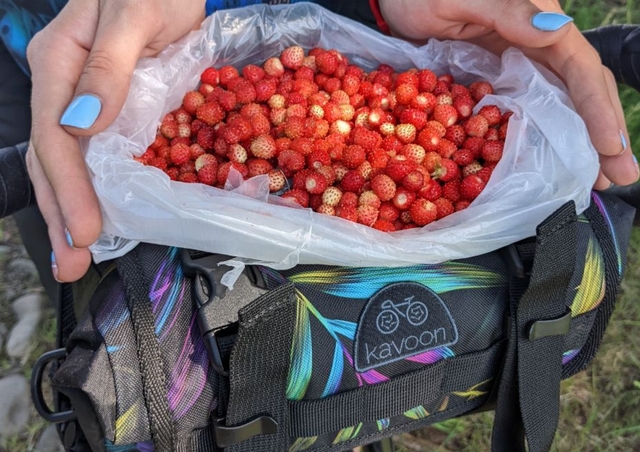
347 434
303 443
591 291
605 214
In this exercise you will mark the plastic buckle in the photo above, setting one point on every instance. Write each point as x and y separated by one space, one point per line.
554 327
230 436
36 389
207 275
513 261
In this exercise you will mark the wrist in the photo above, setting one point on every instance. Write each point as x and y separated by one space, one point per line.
377 13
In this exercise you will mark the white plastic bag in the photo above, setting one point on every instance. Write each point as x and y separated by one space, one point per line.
548 158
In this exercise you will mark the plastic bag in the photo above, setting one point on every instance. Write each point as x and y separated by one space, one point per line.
548 158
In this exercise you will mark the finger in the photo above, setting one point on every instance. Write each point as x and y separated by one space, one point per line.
67 263
621 169
106 75
579 65
518 21
55 71
602 182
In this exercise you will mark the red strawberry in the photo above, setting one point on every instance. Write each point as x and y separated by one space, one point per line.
444 206
429 139
237 153
451 191
353 156
446 148
413 116
204 160
406 133
277 101
403 198
318 158
439 128
461 205
388 212
208 174
331 196
302 145
315 183
300 197
502 131
462 157
210 76
291 160
352 181
398 167
369 198
464 106
348 213
367 215
158 162
210 113
196 151
384 226
294 127
227 74
292 57
328 172
278 116
264 90
474 144
378 159
180 154
191 101
172 173
169 129
327 63
485 173
447 171
492 114
277 181
459 91
480 89
427 80
159 142
384 187
476 126
245 92
445 115
423 212
205 89
444 99
368 139
340 169
253 73
492 135
232 134
431 190
189 178
456 134
326 210
492 151
405 93
273 67
414 153
348 199
471 186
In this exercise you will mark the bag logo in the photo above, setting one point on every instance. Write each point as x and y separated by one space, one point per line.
400 321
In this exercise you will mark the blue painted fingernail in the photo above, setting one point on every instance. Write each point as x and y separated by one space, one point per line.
54 266
69 239
550 21
624 141
82 112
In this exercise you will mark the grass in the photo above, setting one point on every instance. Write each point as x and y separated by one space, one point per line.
600 407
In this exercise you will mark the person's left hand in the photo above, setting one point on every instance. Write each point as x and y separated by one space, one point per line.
551 40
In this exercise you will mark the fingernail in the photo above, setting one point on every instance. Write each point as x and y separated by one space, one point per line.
68 237
624 142
54 266
82 112
635 160
550 21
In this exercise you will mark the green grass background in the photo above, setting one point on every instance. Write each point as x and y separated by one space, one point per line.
600 407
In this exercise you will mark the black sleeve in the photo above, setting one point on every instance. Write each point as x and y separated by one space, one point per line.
358 10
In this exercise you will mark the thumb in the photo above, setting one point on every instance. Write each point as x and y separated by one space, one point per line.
517 21
104 83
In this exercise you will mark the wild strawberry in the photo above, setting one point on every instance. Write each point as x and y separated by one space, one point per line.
471 168
169 129
210 113
352 181
341 128
292 57
191 101
445 115
299 179
423 212
210 76
398 167
264 90
237 153
369 198
444 99
480 89
195 151
277 181
414 153
278 116
208 174
464 106
331 196
416 117
351 85
159 142
302 145
232 135
388 212
332 85
315 183
492 135
245 92
406 133
317 159
348 199
424 102
403 198
277 101
447 171
384 187
340 169
273 67
367 215
476 126
184 130
431 190
492 151
459 91
492 114
205 89
326 210
347 213
315 201
368 139
471 187
310 62
437 127
485 173
384 226
172 173
181 140
461 205
378 159
388 129
429 139
326 62
353 156
204 160
365 169
294 127
253 73
227 74
391 144
405 93
474 144
180 154
282 143
502 131
300 197
383 79
328 172
456 134
291 160
189 178
444 206
451 191
426 80
462 157
413 181
340 97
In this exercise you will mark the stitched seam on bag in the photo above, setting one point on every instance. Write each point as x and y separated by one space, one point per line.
268 313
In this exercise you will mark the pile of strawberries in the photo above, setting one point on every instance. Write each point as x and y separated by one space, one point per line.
388 150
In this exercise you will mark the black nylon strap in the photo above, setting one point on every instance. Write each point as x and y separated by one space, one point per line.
148 350
534 367
259 368
392 398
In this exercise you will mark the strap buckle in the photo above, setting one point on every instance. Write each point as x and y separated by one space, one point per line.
554 327
36 389
230 436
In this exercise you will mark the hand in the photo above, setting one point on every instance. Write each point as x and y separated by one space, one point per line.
499 24
81 66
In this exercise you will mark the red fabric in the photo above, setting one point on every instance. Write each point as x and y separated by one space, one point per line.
382 24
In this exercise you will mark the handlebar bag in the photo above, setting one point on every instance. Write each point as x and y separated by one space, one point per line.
326 358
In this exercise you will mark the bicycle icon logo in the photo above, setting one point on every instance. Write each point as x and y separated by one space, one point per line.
388 319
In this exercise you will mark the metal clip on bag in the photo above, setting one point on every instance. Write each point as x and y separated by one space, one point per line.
325 358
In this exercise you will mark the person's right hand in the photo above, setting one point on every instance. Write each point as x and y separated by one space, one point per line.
81 66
